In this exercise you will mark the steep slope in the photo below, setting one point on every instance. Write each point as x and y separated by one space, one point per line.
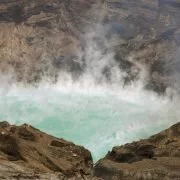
155 158
42 38
27 153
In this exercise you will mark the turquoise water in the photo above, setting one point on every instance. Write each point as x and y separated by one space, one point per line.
96 119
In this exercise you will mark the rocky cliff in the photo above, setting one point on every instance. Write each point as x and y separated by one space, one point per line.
41 38
155 158
27 153
38 38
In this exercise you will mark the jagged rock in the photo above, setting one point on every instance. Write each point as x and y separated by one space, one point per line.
155 158
45 157
24 133
27 153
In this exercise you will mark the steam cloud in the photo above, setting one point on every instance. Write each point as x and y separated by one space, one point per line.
95 98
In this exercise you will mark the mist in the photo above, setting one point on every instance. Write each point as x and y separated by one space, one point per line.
107 85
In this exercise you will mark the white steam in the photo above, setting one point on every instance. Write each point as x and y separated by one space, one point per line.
94 110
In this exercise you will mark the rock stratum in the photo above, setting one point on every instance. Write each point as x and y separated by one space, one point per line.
44 37
28 153
155 158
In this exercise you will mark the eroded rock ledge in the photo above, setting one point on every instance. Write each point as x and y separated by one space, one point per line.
27 153
155 158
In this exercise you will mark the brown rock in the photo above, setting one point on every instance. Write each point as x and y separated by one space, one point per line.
27 153
154 158
24 133
44 37
60 143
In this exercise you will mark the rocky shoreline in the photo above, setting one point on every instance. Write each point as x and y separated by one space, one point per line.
28 153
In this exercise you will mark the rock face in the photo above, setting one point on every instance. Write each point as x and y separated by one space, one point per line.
27 153
38 38
43 37
155 158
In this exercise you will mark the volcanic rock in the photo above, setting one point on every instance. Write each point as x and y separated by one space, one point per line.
155 158
27 153
44 37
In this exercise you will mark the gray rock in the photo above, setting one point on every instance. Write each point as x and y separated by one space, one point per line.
41 38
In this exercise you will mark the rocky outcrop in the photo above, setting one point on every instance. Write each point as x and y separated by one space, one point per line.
155 158
27 153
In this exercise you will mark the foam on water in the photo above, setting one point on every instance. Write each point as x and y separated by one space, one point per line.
97 117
